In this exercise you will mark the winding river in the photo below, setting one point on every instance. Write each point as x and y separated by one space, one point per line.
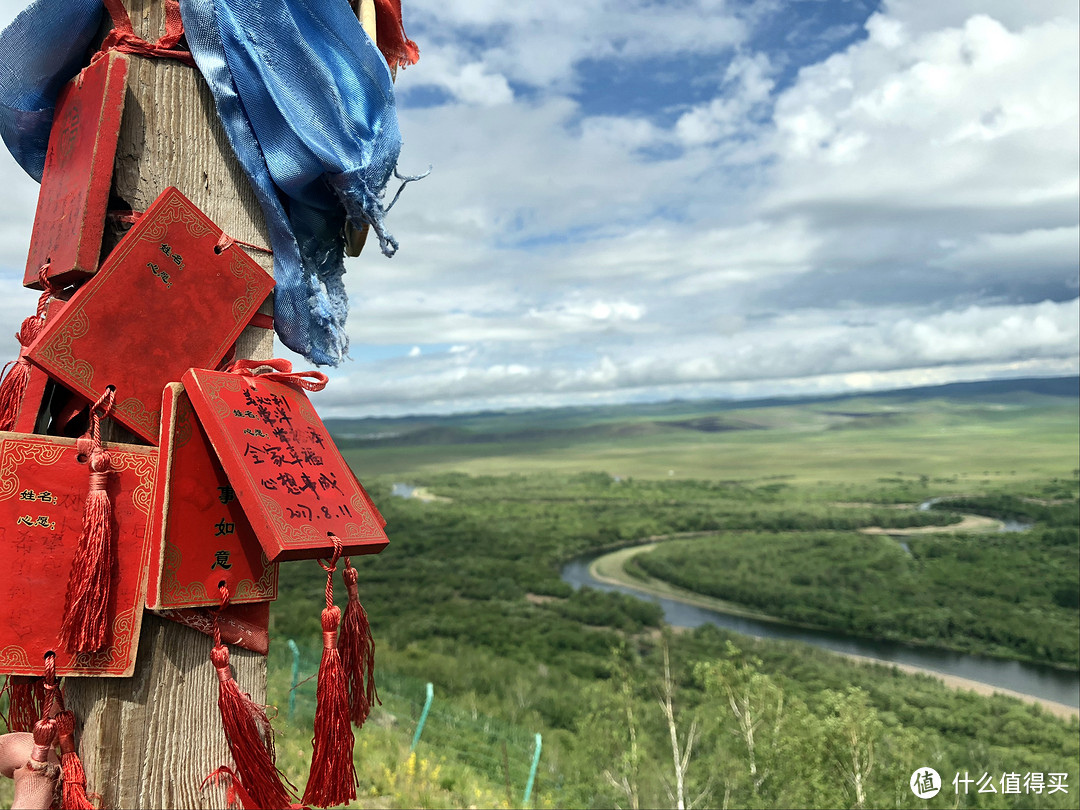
1040 681
1026 680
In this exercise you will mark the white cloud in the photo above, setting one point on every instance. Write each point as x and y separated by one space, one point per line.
924 164
1039 338
745 88
895 213
973 117
1030 254
540 43
469 82
920 16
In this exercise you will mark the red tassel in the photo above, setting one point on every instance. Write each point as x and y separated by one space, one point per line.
357 652
86 613
250 738
26 701
13 388
44 740
397 49
72 773
332 779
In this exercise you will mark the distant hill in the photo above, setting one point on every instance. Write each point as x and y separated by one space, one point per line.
1049 386
603 421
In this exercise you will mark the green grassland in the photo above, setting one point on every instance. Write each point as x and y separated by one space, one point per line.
1024 435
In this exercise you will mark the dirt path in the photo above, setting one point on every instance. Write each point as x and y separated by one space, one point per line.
970 523
610 569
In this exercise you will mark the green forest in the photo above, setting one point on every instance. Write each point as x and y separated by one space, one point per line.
632 713
471 600
1005 594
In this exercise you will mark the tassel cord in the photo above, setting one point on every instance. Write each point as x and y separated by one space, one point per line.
357 651
86 614
13 386
72 774
247 731
26 699
332 779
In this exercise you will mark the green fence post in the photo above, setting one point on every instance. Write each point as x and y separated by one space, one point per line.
532 772
295 677
423 716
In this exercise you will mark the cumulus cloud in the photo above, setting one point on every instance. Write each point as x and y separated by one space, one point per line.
902 210
744 91
448 68
905 209
789 348
542 43
974 118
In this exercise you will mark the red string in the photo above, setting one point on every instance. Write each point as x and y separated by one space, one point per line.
332 778
357 647
224 591
123 38
54 698
14 385
236 797
247 730
331 567
48 290
98 411
86 608
279 370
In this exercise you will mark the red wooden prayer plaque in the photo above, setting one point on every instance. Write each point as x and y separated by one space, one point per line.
167 299
43 487
199 535
74 192
289 476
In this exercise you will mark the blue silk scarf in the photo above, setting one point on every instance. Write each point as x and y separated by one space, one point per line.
307 102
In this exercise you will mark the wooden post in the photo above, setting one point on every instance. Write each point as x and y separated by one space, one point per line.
150 740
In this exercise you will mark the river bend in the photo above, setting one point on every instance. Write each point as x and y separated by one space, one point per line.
1041 681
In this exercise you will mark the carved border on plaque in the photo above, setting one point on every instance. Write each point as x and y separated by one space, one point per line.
349 532
58 350
16 452
194 594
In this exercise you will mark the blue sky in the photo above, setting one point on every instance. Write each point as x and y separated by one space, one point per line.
642 200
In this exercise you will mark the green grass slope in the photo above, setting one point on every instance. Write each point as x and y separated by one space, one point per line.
1015 434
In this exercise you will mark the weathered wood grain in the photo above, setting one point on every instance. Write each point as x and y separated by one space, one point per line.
150 740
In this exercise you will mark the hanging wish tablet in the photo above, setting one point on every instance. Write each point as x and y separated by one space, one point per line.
43 492
289 476
174 294
74 196
200 537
